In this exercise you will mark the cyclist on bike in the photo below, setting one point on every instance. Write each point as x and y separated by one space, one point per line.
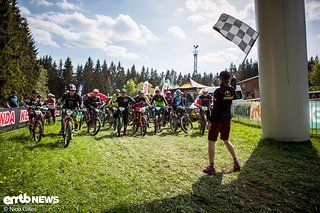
51 103
92 103
34 102
204 100
178 100
159 101
140 101
70 100
123 101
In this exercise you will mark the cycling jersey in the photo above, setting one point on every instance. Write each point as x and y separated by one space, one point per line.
123 101
169 100
159 101
33 102
204 100
177 101
71 102
93 102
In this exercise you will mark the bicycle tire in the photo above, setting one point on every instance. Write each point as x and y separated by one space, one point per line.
37 131
184 122
68 134
119 125
95 125
203 125
144 126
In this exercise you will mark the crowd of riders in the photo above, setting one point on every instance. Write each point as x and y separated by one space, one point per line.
169 103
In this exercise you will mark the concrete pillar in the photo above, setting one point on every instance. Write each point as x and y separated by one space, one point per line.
283 69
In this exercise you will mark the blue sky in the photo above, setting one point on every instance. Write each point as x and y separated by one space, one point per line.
157 34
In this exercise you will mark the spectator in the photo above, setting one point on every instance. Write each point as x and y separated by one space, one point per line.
13 100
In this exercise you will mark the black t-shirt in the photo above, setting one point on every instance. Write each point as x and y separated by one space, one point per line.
33 102
124 101
93 101
223 97
71 102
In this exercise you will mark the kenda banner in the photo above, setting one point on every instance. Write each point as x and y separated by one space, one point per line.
14 117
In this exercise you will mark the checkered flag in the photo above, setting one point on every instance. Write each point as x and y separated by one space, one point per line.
236 31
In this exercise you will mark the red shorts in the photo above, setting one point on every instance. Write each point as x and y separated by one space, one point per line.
220 126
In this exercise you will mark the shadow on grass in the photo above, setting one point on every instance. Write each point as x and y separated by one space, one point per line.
277 177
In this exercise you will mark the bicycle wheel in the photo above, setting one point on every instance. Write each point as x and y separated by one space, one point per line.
95 126
119 125
144 126
186 124
68 133
174 123
203 123
82 120
37 131
156 124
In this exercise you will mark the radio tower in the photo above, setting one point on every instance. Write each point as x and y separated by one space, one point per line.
195 55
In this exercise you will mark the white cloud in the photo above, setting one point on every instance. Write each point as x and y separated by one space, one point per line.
207 12
120 52
313 10
177 33
39 3
43 37
65 5
220 56
101 32
25 11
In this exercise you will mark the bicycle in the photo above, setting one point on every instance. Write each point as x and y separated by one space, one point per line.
140 121
181 119
67 127
119 121
47 114
36 123
158 119
94 123
108 120
203 119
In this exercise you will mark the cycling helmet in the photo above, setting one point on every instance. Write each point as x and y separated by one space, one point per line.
51 95
205 90
224 75
123 91
117 91
35 91
168 92
140 92
178 91
72 87
95 91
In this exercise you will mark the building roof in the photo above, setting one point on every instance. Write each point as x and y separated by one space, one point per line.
248 79
190 83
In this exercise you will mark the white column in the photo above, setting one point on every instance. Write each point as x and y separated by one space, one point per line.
283 68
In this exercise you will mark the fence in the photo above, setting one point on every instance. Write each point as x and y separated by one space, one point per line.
250 113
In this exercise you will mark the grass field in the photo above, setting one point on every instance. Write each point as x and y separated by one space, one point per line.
161 173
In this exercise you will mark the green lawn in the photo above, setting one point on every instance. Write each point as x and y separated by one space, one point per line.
160 173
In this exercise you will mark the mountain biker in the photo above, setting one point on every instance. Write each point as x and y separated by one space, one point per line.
34 102
159 101
123 101
204 100
219 121
140 101
177 100
70 100
51 103
92 103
